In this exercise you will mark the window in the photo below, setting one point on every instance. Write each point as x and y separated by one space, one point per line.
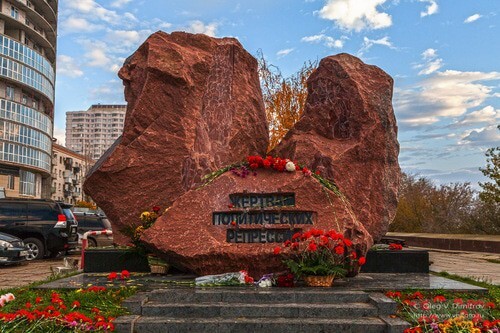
10 182
27 183
9 92
35 103
25 99
14 12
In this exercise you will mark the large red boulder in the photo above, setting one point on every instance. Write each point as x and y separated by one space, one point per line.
196 233
194 105
348 132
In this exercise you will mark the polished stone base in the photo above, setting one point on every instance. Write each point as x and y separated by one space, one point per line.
105 260
404 261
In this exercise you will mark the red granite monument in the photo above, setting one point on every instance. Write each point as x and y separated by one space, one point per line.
195 106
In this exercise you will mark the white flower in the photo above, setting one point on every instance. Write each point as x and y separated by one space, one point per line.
290 166
10 297
265 283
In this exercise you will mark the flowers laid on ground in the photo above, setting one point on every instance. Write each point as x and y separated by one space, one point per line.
124 275
90 309
226 279
319 253
431 313
395 247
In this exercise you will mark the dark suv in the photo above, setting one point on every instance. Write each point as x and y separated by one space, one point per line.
45 226
94 222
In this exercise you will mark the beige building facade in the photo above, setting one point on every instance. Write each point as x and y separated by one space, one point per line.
27 76
92 132
68 174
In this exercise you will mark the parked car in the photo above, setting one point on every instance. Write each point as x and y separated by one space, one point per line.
94 222
45 226
12 249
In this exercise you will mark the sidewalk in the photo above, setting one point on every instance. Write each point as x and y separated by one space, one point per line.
14 276
467 264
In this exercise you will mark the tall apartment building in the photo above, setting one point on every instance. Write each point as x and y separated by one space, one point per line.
68 171
92 132
27 75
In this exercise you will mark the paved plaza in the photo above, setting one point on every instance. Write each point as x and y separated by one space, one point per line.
468 264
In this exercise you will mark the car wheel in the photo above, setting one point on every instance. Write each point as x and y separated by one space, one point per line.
35 248
91 242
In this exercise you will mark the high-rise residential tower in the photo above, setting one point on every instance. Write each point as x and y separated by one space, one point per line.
27 76
92 132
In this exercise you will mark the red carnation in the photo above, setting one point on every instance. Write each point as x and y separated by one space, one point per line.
125 274
362 261
156 209
112 276
347 242
233 223
312 247
277 250
339 249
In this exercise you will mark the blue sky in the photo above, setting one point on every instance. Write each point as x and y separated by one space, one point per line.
443 54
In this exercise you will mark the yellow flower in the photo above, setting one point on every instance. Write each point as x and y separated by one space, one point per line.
145 215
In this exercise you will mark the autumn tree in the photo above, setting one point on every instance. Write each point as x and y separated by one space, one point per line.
491 189
284 98
451 208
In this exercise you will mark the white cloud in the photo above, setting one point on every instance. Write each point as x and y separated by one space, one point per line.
444 94
79 25
368 43
431 66
67 66
198 27
119 3
432 62
432 8
486 136
328 41
429 54
355 14
488 114
94 11
472 18
98 58
284 52
110 92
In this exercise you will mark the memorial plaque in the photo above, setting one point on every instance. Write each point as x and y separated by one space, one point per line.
262 200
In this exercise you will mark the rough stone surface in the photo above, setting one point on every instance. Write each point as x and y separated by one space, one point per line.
194 105
348 132
188 239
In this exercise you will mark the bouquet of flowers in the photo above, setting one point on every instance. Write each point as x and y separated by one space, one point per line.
320 253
